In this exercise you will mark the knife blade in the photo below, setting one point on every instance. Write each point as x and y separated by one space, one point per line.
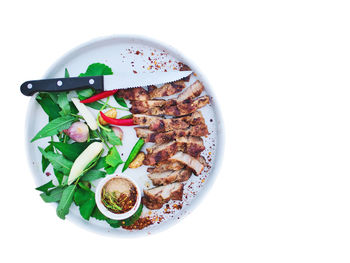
102 83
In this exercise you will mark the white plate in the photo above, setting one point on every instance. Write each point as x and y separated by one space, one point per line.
118 52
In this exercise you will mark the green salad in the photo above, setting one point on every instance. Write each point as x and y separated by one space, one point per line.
81 148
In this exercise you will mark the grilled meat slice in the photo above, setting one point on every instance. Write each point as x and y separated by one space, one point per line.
191 92
142 106
165 166
163 137
167 89
160 152
145 120
155 198
133 94
191 145
168 177
197 118
186 107
196 164
162 125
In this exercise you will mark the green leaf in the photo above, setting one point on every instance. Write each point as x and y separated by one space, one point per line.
110 169
96 213
66 201
54 195
66 73
55 126
45 162
59 175
101 163
86 202
93 175
48 105
63 102
113 158
112 138
70 151
58 161
97 69
120 101
85 93
45 187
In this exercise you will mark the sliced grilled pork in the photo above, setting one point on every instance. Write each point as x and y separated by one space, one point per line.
160 152
167 89
186 107
145 120
155 198
133 94
165 166
168 177
162 125
142 106
191 92
163 137
191 145
196 164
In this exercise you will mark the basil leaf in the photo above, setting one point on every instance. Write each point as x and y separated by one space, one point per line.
66 201
53 195
101 163
86 202
85 93
110 169
113 158
96 213
97 69
55 126
45 187
63 102
58 161
112 138
120 101
45 162
70 151
59 175
48 105
93 175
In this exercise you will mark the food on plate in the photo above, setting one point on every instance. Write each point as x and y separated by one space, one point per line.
165 166
138 161
161 152
118 132
134 151
168 177
196 164
133 94
88 155
119 195
78 131
112 113
166 90
85 112
154 198
84 136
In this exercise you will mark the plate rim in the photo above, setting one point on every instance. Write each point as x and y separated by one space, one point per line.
219 143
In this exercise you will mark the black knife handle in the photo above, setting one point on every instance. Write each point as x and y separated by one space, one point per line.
28 88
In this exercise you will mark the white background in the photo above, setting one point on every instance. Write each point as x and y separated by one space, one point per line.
280 71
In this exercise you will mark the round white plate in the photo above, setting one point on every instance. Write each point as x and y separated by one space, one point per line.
125 54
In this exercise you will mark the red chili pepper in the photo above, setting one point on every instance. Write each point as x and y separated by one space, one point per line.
99 96
118 122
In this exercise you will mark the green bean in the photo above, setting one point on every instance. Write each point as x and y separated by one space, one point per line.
135 150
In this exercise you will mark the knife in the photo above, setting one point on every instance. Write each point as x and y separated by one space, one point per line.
102 83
